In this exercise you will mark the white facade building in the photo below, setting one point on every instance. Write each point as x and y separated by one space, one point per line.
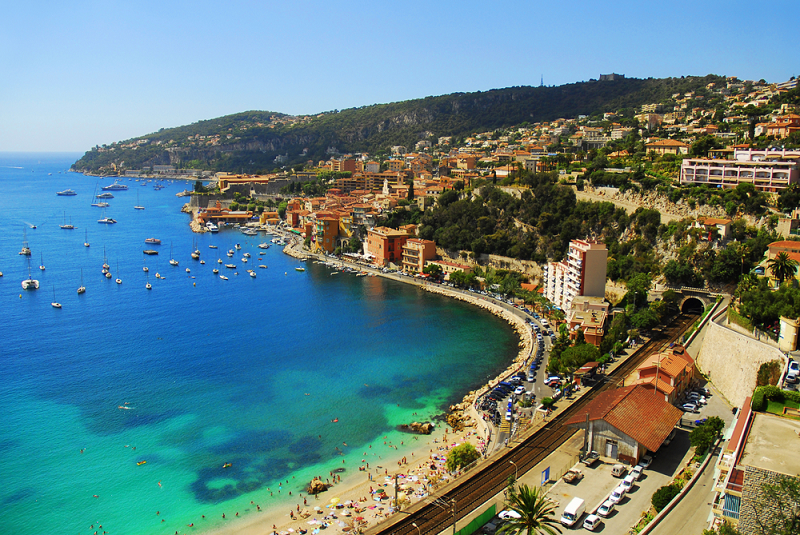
582 273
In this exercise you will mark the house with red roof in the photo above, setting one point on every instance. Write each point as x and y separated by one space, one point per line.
669 373
625 423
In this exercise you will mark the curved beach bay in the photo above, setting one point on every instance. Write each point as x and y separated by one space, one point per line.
246 371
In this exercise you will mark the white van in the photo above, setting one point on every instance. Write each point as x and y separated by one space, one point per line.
627 483
573 512
617 494
591 522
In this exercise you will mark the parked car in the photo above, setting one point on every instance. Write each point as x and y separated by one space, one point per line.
689 407
591 522
519 390
628 482
606 508
646 460
616 495
508 515
637 470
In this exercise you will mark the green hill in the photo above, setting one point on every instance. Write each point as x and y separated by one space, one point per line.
250 141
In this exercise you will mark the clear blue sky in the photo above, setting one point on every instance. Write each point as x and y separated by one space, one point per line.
80 73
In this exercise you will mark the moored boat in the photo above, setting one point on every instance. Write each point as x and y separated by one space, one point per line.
66 193
153 240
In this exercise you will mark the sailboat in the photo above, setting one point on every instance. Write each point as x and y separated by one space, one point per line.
196 251
145 268
30 283
148 285
172 261
138 206
26 251
105 261
118 280
41 266
99 204
86 238
81 288
67 226
55 303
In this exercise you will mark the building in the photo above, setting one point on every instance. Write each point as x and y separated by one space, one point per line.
667 146
790 247
625 423
670 373
449 267
416 252
385 245
789 226
770 171
762 449
716 228
326 230
611 77
589 315
582 273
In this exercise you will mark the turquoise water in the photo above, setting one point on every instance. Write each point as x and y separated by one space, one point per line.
246 371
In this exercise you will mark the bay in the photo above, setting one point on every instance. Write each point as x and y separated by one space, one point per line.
197 372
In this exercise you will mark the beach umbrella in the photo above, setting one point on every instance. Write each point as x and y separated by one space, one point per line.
318 508
334 501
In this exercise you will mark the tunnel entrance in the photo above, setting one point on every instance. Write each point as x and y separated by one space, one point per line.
692 305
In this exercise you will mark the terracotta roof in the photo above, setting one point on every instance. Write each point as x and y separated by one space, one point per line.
635 411
667 143
663 386
785 243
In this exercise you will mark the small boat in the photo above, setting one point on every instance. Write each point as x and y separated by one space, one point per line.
107 221
299 269
153 240
150 251
108 274
262 266
138 207
263 246
212 247
246 255
244 260
215 271
86 238
253 274
227 465
41 266
237 246
188 270
81 288
223 277
55 304
140 463
66 193
202 262
172 261
230 266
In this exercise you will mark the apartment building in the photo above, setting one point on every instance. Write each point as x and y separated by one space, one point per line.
385 245
768 170
415 253
582 273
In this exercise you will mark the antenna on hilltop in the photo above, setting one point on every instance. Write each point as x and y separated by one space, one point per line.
541 83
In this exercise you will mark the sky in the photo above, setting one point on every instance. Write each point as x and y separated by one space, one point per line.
83 73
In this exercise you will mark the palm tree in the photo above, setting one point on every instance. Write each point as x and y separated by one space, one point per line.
782 267
535 512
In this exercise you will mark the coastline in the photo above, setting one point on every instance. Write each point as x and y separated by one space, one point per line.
413 459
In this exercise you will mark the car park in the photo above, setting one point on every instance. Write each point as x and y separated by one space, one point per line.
606 508
616 495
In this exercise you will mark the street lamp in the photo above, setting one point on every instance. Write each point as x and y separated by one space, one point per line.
515 470
416 526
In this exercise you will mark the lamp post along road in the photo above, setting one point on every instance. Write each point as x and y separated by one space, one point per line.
516 472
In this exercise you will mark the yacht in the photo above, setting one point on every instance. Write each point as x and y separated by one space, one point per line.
55 304
249 232
107 221
211 227
116 186
66 193
138 206
105 196
26 251
65 225
263 245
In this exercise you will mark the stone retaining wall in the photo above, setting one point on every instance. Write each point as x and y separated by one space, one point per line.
731 360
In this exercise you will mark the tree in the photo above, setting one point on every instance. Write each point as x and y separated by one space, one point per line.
434 270
782 267
461 455
645 319
536 513
703 436
664 495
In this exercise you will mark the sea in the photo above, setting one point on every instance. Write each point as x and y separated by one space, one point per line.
200 395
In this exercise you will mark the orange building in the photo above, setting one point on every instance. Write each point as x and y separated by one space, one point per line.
416 252
385 245
670 372
326 232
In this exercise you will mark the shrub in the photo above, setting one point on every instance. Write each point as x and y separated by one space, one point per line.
461 455
663 496
769 373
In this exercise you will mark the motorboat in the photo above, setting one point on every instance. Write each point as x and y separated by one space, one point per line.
237 246
246 255
150 251
223 277
263 246
253 274
230 266
212 247
116 186
215 271
211 227
153 240
107 221
230 253
104 196
249 232
244 260
66 193
299 269
262 266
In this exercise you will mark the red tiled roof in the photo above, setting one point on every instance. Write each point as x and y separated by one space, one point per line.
635 411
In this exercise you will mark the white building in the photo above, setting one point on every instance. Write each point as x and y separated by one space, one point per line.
582 273
767 170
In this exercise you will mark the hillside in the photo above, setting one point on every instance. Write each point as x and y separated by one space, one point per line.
250 141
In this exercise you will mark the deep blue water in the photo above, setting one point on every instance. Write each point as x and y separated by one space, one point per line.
247 371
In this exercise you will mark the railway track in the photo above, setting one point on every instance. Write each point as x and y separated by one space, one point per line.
436 513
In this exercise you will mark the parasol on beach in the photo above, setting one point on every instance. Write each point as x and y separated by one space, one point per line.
334 501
